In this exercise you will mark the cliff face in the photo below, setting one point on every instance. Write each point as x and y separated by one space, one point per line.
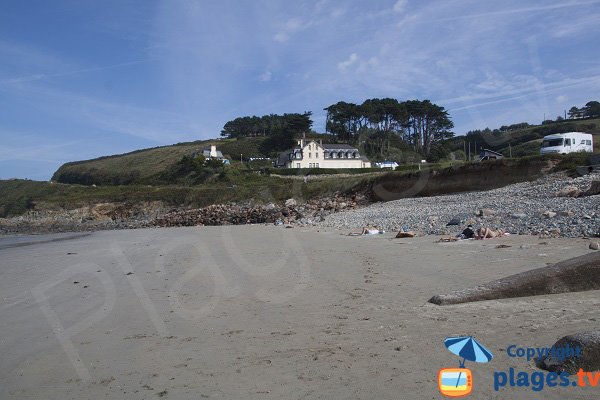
466 178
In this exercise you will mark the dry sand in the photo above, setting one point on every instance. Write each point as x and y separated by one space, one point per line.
261 312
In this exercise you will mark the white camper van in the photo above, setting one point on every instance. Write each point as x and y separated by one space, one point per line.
570 142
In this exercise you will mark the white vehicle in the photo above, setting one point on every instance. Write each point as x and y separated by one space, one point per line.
387 164
570 142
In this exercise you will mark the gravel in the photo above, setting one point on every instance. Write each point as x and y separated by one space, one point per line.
528 208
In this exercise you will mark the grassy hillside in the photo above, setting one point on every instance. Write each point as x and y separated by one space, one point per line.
142 166
18 196
150 166
526 142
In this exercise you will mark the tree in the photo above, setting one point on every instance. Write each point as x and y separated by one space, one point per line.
591 109
427 124
385 117
266 125
344 120
575 112
283 136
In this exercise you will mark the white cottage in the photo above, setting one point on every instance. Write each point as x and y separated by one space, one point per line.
313 154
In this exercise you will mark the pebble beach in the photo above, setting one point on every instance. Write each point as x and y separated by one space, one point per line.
546 206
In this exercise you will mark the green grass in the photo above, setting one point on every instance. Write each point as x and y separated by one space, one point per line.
144 166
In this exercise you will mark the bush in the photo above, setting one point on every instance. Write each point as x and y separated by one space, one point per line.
323 171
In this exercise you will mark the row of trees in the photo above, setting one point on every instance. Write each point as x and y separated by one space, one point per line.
267 125
372 124
590 110
280 130
418 123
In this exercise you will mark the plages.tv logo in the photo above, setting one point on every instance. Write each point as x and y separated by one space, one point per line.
458 382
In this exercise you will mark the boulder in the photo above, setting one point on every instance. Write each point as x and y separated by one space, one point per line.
568 191
566 213
585 354
408 234
549 214
594 246
572 275
486 212
594 189
453 221
290 203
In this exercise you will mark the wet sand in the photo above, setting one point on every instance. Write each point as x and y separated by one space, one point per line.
259 312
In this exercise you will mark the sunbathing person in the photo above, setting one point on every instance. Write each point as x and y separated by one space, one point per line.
367 230
488 233
371 231
468 233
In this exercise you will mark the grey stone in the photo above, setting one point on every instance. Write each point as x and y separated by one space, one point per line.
587 359
518 215
573 275
486 212
454 221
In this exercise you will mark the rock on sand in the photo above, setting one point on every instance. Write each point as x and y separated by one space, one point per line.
573 275
589 360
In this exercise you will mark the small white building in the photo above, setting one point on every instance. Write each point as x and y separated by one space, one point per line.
313 154
212 152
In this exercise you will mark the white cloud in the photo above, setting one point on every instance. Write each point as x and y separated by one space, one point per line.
561 98
281 37
265 76
400 6
353 59
293 24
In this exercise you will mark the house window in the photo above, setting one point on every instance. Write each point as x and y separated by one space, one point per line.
317 155
317 165
309 155
297 165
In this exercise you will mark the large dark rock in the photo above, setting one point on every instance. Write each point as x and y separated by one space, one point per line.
594 189
588 360
572 275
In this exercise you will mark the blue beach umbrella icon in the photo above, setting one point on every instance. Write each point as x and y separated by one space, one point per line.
469 349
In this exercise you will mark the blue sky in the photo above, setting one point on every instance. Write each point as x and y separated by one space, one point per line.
82 78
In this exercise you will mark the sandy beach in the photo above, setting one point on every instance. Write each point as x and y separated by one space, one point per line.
264 312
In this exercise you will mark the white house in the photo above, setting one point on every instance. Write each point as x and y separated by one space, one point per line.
212 152
313 154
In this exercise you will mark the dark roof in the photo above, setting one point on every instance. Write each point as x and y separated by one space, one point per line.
491 151
338 146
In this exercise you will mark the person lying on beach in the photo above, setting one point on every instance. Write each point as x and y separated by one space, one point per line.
468 233
371 231
488 233
367 231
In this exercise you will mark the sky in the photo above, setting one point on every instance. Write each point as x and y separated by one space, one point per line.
81 79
